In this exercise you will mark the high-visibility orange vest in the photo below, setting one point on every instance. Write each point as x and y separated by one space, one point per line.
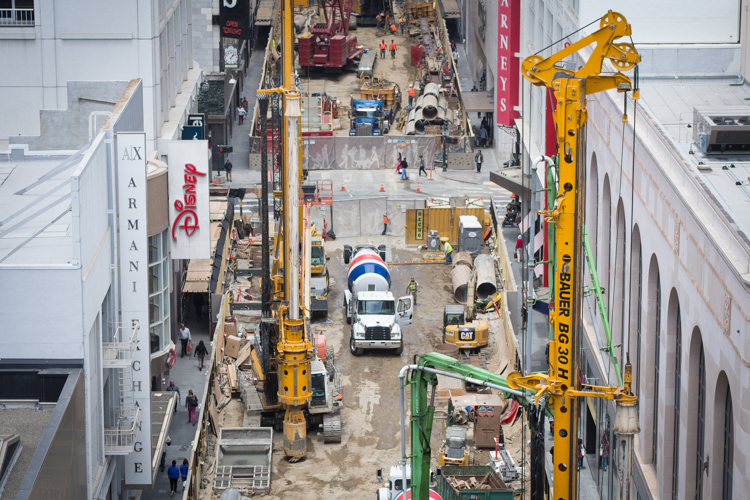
411 91
393 28
393 46
382 45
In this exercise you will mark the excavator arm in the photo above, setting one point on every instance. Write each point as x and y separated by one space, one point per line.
424 374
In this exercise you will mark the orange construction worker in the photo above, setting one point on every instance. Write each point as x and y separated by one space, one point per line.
392 48
411 94
387 18
402 23
382 49
385 223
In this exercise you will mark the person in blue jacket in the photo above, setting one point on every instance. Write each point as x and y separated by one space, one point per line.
174 474
183 473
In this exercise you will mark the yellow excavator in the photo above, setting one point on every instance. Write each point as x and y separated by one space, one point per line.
460 326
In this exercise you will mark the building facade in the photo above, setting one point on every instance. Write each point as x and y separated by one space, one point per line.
62 60
669 238
69 231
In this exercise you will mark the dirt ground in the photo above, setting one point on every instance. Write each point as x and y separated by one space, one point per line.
345 84
370 418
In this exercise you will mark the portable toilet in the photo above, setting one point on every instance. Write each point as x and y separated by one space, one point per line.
469 234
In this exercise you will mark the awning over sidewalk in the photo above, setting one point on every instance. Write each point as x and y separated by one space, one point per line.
483 102
162 409
198 276
510 179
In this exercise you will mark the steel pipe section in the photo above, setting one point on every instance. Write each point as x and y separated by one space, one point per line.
460 279
486 283
463 259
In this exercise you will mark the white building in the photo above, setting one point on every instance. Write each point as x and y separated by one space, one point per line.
64 59
63 284
671 242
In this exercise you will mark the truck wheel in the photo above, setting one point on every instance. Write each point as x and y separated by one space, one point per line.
353 349
400 348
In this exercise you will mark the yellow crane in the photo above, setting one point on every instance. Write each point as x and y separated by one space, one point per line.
562 386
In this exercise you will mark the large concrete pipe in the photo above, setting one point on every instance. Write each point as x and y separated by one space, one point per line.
432 89
486 283
409 128
460 279
430 106
463 259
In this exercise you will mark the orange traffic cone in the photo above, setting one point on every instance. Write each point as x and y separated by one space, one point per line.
418 190
382 188
343 188
216 181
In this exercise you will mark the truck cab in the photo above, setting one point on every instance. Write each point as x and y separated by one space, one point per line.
470 336
367 118
377 319
393 486
454 451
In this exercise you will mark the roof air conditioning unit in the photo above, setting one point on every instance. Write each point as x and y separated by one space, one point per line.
723 129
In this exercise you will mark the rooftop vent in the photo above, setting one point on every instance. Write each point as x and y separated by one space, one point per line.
722 130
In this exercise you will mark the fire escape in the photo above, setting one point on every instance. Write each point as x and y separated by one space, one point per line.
120 422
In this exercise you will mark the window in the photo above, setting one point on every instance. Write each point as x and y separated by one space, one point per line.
728 465
158 291
657 349
701 430
16 12
677 387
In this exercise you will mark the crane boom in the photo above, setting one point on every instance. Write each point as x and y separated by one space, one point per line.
562 384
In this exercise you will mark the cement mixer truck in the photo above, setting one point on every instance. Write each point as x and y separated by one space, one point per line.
370 308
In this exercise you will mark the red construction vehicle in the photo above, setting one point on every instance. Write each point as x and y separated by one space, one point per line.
329 45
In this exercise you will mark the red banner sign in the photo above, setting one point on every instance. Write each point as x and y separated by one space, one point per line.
508 43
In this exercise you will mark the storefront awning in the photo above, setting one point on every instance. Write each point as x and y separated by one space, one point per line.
198 276
482 102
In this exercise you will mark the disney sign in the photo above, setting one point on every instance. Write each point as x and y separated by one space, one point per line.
188 200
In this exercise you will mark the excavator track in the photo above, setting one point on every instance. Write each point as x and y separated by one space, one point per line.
332 427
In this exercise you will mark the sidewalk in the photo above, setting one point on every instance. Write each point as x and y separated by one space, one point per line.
186 376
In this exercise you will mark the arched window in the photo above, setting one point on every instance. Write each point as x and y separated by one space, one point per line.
701 425
592 203
657 360
728 465
677 390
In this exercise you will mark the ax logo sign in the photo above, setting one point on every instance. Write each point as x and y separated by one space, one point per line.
131 153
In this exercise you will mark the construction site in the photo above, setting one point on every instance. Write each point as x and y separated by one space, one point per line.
347 362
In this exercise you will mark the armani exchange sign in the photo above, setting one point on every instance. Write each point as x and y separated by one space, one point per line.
133 263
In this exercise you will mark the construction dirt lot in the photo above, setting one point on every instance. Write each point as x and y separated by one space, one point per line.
345 84
370 418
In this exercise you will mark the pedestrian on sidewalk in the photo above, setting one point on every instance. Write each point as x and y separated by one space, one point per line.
173 473
240 113
479 158
404 165
245 104
385 223
173 388
228 170
398 164
382 49
483 136
191 403
183 473
455 56
393 47
198 302
421 166
201 352
581 454
519 248
184 339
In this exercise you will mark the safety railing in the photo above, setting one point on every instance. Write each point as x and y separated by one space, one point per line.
16 17
120 430
119 353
